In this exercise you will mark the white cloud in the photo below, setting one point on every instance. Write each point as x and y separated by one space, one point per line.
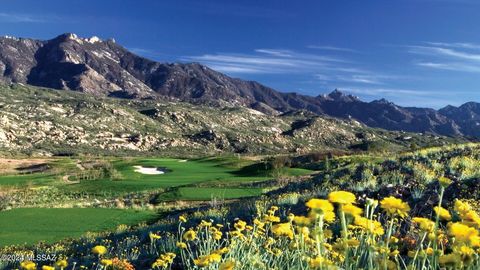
20 18
357 76
281 53
465 45
407 97
445 52
330 48
385 91
283 61
453 66
268 61
461 57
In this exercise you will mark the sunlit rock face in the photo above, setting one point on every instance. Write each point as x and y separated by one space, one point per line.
104 68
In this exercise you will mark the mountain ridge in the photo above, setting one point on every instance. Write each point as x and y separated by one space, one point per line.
105 68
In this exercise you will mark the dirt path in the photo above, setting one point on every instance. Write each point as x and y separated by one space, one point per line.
67 181
65 177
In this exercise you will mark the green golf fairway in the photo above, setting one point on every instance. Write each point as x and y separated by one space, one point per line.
179 174
27 179
31 225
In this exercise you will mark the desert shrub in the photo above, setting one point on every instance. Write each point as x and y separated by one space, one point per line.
423 174
464 167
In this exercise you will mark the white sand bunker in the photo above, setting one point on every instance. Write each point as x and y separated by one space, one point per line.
182 160
148 170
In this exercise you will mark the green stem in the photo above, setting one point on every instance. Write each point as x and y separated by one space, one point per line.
319 237
345 234
435 228
387 245
419 247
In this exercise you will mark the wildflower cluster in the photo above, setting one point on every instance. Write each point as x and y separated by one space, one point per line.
337 233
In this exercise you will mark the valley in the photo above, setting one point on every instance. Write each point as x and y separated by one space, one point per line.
112 161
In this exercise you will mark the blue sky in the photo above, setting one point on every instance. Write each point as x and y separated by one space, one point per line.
412 52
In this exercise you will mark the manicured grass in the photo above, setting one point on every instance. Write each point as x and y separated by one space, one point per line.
27 179
202 194
31 225
210 172
179 174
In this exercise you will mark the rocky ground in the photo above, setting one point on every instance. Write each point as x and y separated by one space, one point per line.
47 122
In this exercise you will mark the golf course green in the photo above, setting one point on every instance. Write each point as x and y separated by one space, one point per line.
168 179
31 225
210 172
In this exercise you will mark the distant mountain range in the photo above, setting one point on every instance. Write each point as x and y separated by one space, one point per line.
104 68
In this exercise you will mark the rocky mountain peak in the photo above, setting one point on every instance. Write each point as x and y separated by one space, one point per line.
383 101
338 95
74 37
104 68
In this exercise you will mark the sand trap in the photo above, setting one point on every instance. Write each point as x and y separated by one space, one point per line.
148 170
182 160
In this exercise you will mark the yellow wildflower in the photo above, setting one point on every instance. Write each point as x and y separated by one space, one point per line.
167 257
181 245
394 206
221 251
236 233
240 225
227 265
424 224
61 263
258 223
327 216
206 260
318 262
353 242
106 262
444 181
319 205
190 235
159 263
341 197
28 265
369 225
467 214
271 218
352 210
154 236
462 232
466 253
99 250
443 213
283 229
462 208
182 219
217 235
205 223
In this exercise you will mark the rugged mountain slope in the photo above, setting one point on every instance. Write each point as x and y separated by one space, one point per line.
466 116
38 120
387 115
104 68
